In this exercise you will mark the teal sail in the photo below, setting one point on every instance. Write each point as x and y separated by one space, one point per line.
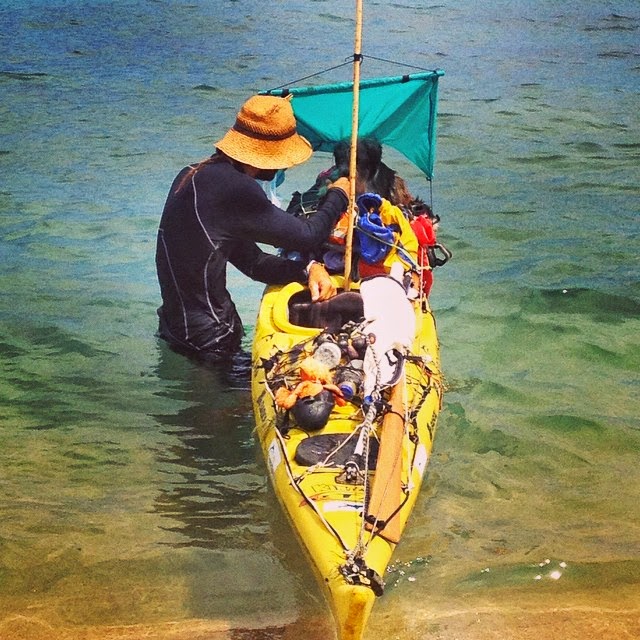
399 111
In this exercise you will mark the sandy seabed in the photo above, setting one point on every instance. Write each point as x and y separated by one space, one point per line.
518 624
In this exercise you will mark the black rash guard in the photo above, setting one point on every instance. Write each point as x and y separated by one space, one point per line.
216 217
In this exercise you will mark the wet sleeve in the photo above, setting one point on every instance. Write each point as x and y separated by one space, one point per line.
258 265
257 219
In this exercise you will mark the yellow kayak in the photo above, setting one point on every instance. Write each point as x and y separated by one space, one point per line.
347 462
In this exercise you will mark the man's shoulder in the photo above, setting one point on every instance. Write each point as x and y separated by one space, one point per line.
225 174
218 168
229 188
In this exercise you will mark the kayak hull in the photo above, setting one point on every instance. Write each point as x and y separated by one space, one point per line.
348 546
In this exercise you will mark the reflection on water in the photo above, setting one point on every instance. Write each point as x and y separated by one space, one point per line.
216 499
213 496
214 485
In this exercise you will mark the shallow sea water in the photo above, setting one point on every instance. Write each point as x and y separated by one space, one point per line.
133 500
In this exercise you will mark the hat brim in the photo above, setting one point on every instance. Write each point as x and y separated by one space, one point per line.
265 154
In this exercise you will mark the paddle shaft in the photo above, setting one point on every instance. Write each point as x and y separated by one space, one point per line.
386 494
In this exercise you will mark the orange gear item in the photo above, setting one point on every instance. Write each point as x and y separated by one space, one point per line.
285 398
339 233
312 369
308 388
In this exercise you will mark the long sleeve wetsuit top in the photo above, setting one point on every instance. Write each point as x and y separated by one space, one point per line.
216 217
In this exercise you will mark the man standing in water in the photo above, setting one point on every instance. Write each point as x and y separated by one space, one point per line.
216 213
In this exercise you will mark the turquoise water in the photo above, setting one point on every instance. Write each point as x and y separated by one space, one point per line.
133 498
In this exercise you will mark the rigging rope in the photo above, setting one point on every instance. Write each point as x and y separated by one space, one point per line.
314 75
306 498
348 61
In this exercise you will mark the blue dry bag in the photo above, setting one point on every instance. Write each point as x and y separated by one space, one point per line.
374 238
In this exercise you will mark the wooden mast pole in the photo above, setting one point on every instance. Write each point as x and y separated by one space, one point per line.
357 61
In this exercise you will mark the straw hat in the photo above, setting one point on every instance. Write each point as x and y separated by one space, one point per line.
264 135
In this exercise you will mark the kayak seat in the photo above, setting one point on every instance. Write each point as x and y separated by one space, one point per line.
330 314
324 447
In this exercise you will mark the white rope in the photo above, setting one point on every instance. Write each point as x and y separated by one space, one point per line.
307 499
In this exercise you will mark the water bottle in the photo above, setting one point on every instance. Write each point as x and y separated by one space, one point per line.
350 380
328 353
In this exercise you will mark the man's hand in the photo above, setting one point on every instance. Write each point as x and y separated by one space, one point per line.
343 184
320 284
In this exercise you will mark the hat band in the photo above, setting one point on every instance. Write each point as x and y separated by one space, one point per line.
240 128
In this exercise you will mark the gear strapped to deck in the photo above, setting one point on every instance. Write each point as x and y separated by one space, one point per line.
342 396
